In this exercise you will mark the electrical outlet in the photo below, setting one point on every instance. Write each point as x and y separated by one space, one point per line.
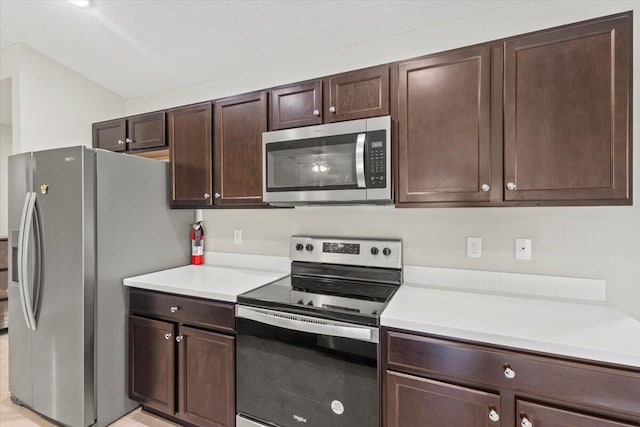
523 249
237 237
474 247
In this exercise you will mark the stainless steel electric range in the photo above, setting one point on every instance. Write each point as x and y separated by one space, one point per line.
307 345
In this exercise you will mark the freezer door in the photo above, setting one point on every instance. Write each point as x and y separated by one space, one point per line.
20 379
62 343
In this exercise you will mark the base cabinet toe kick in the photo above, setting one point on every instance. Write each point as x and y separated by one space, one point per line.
434 381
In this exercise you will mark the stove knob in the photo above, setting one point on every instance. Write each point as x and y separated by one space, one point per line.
310 303
301 302
309 247
386 251
374 251
299 246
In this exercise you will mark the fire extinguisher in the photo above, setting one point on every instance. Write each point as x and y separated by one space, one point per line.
197 243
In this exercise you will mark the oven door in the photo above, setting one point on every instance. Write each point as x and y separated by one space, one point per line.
295 370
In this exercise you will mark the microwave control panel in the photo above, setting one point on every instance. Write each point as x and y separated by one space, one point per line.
376 165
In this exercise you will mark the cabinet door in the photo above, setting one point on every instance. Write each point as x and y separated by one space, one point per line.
239 124
146 131
357 94
568 114
110 135
152 363
189 133
296 105
534 415
418 402
206 378
444 128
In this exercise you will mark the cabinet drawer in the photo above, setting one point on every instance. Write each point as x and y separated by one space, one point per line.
595 386
192 311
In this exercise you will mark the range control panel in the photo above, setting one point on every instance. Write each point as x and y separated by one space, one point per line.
383 253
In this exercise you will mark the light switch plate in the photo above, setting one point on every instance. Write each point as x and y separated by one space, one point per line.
237 237
523 249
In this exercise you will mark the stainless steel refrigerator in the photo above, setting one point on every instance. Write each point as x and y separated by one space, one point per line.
81 220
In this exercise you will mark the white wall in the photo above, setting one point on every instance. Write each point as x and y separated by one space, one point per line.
596 242
5 151
53 106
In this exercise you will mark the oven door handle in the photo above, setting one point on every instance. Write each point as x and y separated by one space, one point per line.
312 325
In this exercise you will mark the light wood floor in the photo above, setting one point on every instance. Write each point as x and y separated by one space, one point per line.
12 415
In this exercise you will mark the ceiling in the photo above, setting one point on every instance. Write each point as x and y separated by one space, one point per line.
139 47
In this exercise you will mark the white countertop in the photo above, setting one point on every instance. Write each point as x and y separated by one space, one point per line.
578 329
222 283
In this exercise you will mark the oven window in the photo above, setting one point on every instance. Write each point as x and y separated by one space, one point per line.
312 164
292 378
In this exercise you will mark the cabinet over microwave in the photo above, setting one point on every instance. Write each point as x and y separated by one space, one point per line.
345 162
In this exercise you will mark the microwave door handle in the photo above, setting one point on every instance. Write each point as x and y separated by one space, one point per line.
360 160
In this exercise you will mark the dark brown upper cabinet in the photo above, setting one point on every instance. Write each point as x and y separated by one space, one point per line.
110 135
567 114
189 134
444 129
142 132
239 123
357 94
146 131
296 105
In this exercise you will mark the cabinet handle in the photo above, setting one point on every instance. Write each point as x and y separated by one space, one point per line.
494 416
511 186
525 422
128 140
179 338
509 373
485 187
316 113
206 195
217 195
167 336
174 308
332 109
120 142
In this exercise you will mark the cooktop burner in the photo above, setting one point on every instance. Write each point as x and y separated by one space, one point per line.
350 280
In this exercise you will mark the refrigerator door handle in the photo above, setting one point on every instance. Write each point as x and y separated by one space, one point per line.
24 285
22 257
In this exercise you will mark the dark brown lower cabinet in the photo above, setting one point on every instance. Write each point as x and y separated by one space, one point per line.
207 374
433 381
182 361
152 363
420 402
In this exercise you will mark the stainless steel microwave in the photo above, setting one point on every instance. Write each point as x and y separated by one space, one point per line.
345 162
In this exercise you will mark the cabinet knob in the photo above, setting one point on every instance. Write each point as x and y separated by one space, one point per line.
525 422
494 416
485 187
120 142
179 338
217 195
206 195
509 373
128 140
316 113
332 109
167 336
511 186
174 308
